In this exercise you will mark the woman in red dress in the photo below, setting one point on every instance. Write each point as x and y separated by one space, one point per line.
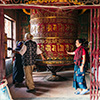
80 61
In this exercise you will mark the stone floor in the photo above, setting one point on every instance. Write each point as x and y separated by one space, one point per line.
49 89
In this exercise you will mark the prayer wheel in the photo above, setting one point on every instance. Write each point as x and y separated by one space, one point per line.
55 31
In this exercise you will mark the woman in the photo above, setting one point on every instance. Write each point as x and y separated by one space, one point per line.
79 68
18 73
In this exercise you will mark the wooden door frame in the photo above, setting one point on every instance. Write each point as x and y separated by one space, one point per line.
24 6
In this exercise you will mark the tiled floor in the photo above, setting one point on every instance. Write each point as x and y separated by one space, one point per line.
48 89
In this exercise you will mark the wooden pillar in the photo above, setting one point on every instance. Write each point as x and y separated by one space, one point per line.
2 47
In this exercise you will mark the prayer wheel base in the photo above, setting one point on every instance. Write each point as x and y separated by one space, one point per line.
55 78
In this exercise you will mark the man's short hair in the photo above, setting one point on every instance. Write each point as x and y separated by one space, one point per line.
28 36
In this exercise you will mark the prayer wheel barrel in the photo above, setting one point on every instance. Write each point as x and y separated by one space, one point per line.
55 32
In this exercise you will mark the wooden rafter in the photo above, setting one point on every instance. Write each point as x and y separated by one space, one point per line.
31 6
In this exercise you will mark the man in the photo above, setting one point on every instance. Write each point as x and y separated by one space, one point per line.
29 52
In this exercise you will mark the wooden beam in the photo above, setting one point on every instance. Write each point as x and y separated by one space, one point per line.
32 6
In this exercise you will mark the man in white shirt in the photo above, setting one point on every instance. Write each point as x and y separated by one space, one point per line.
29 52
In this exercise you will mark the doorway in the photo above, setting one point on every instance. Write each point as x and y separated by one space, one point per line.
94 50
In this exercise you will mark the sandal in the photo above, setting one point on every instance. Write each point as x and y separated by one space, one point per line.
77 92
84 92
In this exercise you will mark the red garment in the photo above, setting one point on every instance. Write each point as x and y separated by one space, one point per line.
79 52
83 53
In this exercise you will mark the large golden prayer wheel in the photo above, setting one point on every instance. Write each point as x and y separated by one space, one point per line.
55 31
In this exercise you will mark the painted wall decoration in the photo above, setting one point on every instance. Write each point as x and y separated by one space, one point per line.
54 33
52 1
